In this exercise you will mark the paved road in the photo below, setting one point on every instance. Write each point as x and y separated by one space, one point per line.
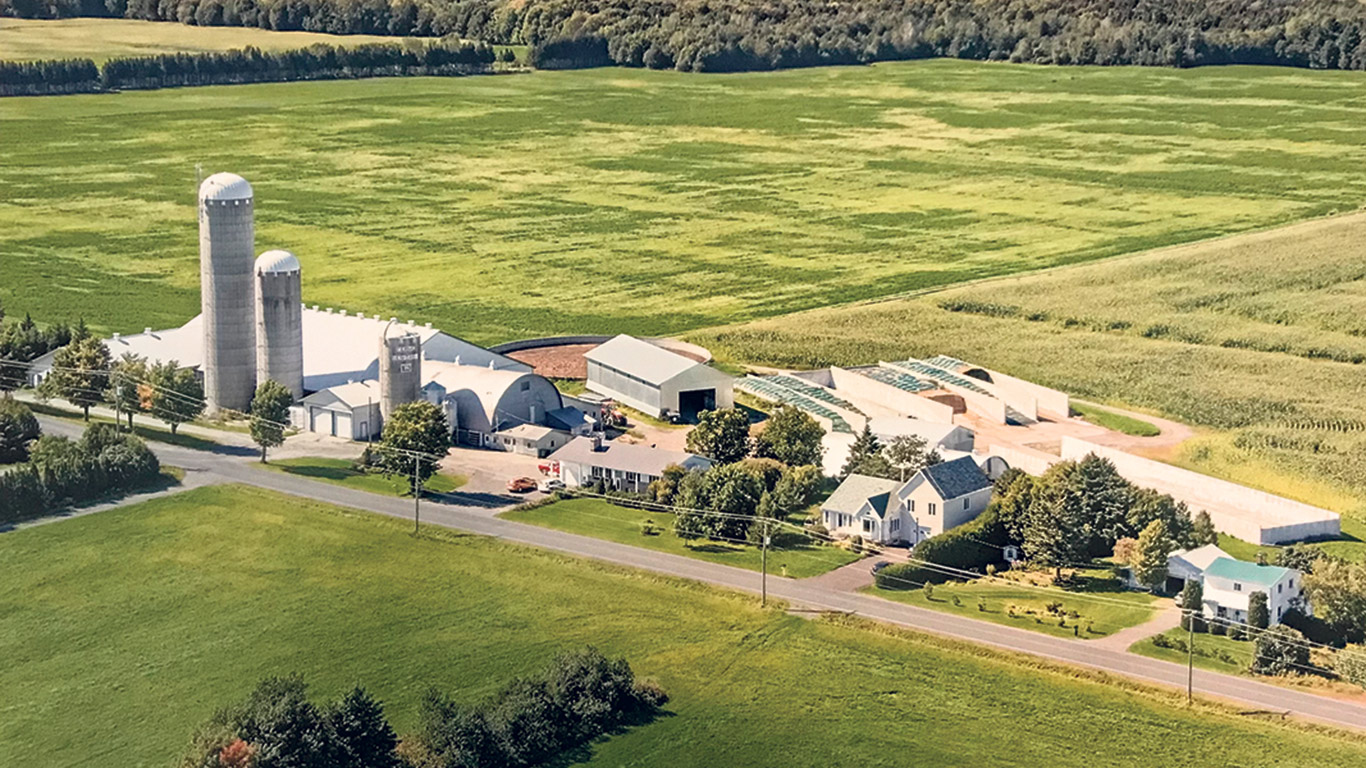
1251 694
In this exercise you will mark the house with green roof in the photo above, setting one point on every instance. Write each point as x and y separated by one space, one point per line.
1229 583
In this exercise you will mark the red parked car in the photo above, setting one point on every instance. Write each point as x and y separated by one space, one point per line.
522 485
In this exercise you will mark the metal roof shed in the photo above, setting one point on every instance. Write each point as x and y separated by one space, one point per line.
654 380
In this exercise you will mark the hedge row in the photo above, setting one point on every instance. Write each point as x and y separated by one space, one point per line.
62 472
248 65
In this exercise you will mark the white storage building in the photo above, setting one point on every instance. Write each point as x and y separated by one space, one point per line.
656 381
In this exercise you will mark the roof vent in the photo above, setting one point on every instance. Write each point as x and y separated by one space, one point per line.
329 310
393 319
375 316
343 313
148 329
315 307
116 337
429 325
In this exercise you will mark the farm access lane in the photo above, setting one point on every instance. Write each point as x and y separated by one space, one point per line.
811 593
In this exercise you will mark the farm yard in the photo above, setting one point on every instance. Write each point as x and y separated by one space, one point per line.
1259 338
126 655
654 202
101 39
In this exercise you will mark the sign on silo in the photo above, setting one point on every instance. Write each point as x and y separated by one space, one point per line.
400 371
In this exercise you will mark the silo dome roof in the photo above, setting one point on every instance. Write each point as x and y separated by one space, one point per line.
276 261
225 186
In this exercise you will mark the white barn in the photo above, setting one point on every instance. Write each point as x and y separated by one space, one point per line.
654 380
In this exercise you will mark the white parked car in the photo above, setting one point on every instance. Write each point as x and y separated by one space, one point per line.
550 485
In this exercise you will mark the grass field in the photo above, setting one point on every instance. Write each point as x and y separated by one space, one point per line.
1259 338
1116 421
108 654
1098 613
792 555
102 39
657 202
339 472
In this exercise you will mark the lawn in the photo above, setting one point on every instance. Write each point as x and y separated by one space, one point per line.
1116 421
339 471
143 427
108 654
792 555
656 202
1217 653
1094 601
1258 339
101 39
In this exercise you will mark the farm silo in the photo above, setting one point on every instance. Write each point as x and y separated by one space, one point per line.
279 322
400 369
226 254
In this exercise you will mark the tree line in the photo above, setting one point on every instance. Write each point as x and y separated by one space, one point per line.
247 65
724 35
578 697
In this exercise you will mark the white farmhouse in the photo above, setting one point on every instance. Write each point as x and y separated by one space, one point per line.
654 380
1229 583
934 500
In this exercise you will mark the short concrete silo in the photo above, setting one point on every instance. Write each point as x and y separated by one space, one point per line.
400 369
227 251
279 322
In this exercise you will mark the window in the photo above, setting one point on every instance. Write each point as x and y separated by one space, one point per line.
1237 587
931 510
910 505
867 526
1222 613
1292 583
896 524
1279 589
965 503
526 385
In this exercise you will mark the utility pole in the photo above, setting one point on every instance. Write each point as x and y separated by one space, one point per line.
1190 657
417 492
763 567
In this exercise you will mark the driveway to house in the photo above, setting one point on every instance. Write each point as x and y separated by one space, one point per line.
467 512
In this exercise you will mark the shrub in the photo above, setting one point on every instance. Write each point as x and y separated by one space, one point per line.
1350 664
1218 628
1162 641
18 428
929 591
1278 651
856 544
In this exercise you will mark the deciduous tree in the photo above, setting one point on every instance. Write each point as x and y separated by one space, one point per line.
721 435
270 414
175 395
791 436
416 435
1280 651
80 374
126 380
1258 611
1150 561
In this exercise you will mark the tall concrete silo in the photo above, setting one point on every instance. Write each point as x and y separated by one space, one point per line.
227 250
279 322
400 369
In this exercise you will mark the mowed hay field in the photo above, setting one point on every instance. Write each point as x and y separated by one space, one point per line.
124 630
1261 338
657 202
102 39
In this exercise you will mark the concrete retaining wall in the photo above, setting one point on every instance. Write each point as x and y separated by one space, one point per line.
1249 514
1024 459
686 348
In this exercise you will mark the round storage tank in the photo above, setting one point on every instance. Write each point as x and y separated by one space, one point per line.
227 250
279 322
400 370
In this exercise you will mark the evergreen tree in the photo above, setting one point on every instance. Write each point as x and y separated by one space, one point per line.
866 458
1258 611
1202 530
1193 606
365 738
